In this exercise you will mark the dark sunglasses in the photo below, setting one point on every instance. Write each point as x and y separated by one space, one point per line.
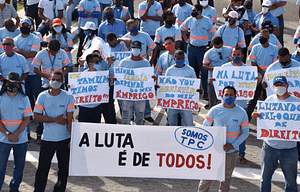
221 57
8 44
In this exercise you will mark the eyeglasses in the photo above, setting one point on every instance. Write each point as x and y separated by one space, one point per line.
221 57
7 44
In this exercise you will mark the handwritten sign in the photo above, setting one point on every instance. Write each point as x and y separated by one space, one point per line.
279 121
134 84
243 79
89 87
141 151
178 93
291 74
119 56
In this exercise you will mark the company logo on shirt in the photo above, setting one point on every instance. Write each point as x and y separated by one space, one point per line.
20 108
235 120
194 138
18 66
62 106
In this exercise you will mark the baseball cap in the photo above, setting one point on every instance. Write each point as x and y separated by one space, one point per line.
267 3
136 44
89 25
279 79
233 14
56 22
25 20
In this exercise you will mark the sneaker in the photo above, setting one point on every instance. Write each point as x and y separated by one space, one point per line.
150 119
29 138
205 96
38 140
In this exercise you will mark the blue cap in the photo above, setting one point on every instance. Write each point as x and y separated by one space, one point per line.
25 20
279 79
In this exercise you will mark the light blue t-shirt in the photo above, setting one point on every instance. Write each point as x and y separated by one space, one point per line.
5 33
165 61
277 66
296 35
263 57
118 27
120 13
182 13
200 30
272 40
236 121
30 43
295 55
298 2
54 106
212 58
241 103
91 6
251 16
232 36
145 39
163 32
149 26
278 11
12 112
269 16
276 143
185 71
211 13
128 63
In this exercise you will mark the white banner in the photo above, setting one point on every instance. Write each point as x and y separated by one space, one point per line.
279 121
119 56
147 151
291 74
89 87
178 93
243 79
134 84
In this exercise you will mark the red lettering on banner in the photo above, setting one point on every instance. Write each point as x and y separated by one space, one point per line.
160 158
159 102
179 158
296 94
282 134
276 133
99 98
264 133
171 157
178 104
81 100
118 94
295 134
190 161
151 95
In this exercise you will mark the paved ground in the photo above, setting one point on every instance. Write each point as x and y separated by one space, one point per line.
246 177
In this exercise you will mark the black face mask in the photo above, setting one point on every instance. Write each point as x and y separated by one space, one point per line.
109 15
181 2
12 88
118 4
271 30
262 40
25 30
231 22
286 63
194 14
169 22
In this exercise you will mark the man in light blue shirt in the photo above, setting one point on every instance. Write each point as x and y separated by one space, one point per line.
120 11
277 9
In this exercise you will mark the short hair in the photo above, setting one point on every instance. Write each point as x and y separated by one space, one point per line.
229 87
198 7
166 13
238 48
283 52
8 23
111 36
265 31
9 38
106 8
178 52
90 57
169 37
129 22
54 45
217 40
56 72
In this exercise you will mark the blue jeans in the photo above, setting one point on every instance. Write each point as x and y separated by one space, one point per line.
43 29
186 116
197 54
19 151
14 4
33 87
147 109
129 4
69 12
128 107
242 147
288 161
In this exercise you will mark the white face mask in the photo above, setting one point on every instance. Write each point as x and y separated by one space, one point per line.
135 51
264 10
203 3
237 7
55 84
280 90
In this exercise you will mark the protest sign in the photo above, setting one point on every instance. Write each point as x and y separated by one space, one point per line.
89 87
178 93
134 84
293 77
147 151
279 121
119 56
243 79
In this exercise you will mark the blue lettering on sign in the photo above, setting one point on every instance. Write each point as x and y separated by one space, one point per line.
194 138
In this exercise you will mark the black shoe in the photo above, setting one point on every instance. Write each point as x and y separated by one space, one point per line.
206 106
150 119
205 96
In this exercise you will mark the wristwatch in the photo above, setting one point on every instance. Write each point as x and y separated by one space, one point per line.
7 133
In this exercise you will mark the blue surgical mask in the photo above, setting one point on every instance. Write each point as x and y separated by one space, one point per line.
228 100
180 63
134 30
237 59
135 51
58 28
86 33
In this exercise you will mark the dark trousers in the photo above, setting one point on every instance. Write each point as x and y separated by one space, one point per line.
47 151
80 47
281 28
252 103
91 115
108 109
248 40
32 11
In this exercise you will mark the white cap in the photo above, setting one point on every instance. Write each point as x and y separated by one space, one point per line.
267 3
233 14
89 25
